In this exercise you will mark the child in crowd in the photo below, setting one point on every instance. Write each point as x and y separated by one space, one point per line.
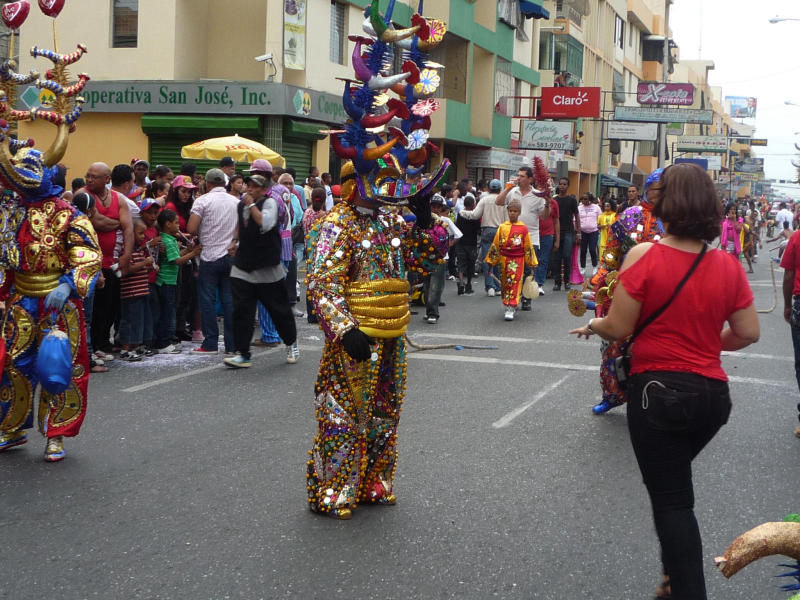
467 247
134 296
434 282
513 250
310 216
149 210
86 204
167 281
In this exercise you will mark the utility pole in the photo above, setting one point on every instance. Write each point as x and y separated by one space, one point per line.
662 128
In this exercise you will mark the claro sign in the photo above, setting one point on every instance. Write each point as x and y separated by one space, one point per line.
570 102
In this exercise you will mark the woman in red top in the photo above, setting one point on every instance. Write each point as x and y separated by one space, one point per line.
187 319
678 394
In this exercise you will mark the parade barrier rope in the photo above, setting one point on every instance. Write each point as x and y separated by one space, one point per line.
774 289
422 347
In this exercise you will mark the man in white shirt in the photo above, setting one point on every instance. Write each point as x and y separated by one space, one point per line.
492 216
533 208
784 216
214 219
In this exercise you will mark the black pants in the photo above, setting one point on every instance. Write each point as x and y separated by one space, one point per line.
465 259
106 307
589 240
671 418
273 297
186 301
291 281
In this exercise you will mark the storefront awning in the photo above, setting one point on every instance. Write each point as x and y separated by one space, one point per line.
615 182
532 10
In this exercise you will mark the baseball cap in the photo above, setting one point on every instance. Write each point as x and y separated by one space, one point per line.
216 176
260 165
139 161
439 200
258 180
227 161
183 181
495 185
149 203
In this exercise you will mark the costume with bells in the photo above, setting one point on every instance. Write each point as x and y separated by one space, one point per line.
357 280
634 226
49 262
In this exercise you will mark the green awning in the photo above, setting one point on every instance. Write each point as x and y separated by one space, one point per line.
201 126
303 129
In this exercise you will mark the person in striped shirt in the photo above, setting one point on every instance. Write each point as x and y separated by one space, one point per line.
134 293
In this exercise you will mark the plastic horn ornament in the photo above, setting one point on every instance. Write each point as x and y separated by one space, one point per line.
396 108
765 540
350 107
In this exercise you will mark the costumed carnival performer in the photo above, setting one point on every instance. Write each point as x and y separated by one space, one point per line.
513 251
49 261
634 226
357 278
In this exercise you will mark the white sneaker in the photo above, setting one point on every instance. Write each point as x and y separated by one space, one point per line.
171 349
541 292
509 314
292 353
490 292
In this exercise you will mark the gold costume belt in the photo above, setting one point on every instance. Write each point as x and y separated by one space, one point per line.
36 285
381 307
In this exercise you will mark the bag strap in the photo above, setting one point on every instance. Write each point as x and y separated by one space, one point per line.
664 306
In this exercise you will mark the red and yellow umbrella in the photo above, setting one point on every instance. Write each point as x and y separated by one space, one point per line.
239 148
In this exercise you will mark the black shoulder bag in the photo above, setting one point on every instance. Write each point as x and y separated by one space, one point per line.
622 364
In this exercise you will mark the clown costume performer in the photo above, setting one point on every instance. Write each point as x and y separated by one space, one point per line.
359 290
512 250
634 226
364 251
49 262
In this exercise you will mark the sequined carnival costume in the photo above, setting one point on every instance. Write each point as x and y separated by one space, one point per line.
359 281
49 262
634 226
511 249
363 251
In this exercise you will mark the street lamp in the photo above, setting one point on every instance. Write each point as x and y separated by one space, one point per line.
777 19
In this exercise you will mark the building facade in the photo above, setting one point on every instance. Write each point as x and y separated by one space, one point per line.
166 73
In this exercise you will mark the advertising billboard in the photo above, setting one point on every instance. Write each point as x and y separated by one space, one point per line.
652 114
546 135
570 103
674 94
741 107
703 143
624 130
748 165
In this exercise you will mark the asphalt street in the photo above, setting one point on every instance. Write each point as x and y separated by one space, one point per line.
188 479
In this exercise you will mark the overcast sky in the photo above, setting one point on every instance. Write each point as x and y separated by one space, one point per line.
752 58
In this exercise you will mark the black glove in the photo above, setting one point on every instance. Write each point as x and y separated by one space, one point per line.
356 344
420 205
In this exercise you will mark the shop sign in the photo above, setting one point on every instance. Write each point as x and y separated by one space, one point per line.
714 162
650 114
192 97
570 102
546 135
676 94
753 141
748 165
621 130
497 158
702 143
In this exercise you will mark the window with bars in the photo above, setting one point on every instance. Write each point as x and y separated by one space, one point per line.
504 85
124 23
338 33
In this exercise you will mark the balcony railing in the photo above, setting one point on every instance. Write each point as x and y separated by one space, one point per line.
567 11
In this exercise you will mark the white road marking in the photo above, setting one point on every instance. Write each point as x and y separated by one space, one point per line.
506 419
567 367
501 361
777 357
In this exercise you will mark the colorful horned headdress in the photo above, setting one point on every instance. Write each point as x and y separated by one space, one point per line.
23 168
386 139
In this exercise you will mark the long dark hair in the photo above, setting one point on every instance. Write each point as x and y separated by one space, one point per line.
183 209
